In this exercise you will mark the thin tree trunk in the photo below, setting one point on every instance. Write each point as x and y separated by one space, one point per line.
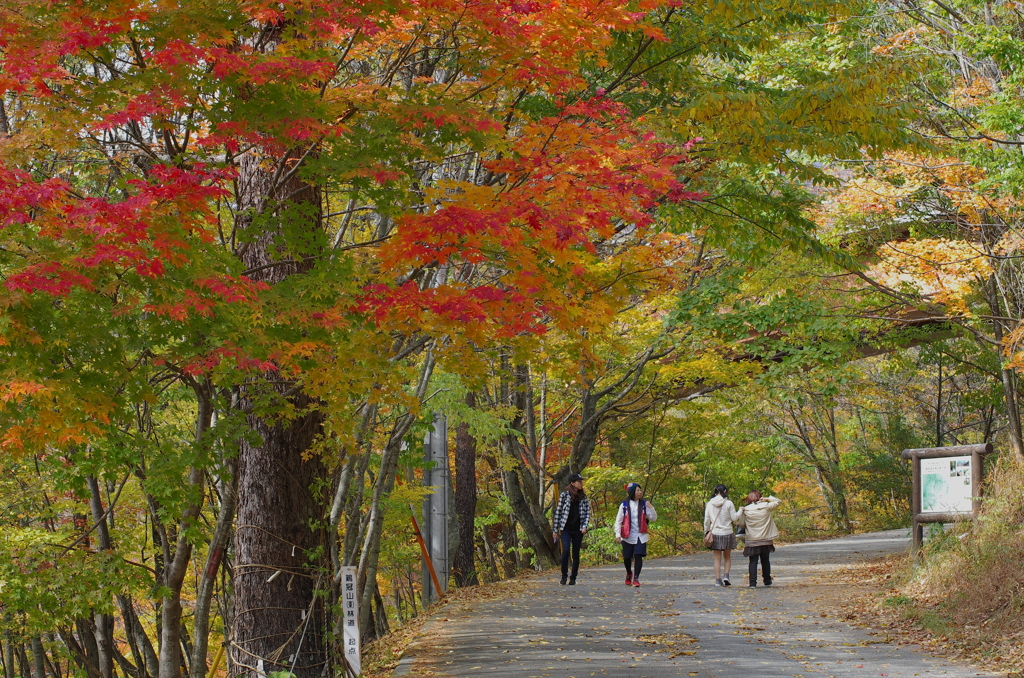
170 658
352 475
104 623
367 571
1006 375
8 656
380 616
492 561
5 125
87 649
52 666
538 530
463 565
370 556
38 659
518 480
542 484
141 647
26 669
204 592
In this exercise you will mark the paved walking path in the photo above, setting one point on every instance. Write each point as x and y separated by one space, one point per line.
676 624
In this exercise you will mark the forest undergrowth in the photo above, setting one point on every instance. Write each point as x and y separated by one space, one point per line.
964 597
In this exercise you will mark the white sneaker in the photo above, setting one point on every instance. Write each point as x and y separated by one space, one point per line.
726 582
718 582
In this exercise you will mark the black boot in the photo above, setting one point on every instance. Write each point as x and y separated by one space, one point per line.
564 577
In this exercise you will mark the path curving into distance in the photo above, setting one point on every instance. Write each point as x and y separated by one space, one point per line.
677 624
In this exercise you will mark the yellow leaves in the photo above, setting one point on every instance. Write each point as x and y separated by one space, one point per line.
901 41
711 368
900 181
1011 349
1010 243
448 191
37 415
945 270
871 195
978 93
18 389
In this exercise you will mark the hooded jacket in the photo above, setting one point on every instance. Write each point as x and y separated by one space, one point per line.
726 513
759 521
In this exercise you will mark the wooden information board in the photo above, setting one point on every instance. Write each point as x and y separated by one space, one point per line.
947 485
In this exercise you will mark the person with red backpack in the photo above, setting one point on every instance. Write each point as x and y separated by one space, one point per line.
631 531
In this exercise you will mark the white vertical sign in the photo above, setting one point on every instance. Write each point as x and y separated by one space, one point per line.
350 622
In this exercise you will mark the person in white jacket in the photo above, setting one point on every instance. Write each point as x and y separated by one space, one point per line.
719 515
756 516
631 530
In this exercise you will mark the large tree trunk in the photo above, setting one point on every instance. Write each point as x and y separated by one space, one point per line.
277 550
279 539
463 566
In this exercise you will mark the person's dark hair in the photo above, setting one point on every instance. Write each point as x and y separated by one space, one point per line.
720 489
633 487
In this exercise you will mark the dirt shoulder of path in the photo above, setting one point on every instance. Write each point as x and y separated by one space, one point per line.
877 595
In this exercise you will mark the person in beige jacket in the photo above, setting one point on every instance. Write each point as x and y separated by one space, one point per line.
761 533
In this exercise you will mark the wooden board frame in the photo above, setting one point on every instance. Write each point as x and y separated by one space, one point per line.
977 453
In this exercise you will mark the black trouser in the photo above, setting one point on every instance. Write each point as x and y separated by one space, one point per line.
766 567
633 560
575 538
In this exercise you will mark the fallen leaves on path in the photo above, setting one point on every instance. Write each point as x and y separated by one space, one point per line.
381 657
671 643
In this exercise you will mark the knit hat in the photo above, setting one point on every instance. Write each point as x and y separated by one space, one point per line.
630 486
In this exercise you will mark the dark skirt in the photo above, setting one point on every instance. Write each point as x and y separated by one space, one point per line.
630 551
723 542
758 550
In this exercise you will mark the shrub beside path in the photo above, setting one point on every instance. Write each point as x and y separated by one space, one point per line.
677 624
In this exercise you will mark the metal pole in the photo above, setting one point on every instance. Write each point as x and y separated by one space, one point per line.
439 531
435 509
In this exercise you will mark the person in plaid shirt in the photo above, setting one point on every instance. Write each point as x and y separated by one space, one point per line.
572 518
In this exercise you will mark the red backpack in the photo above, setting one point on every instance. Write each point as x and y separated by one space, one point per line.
627 518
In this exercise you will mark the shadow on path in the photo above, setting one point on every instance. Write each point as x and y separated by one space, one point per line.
677 624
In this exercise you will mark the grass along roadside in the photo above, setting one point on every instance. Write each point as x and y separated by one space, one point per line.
891 596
